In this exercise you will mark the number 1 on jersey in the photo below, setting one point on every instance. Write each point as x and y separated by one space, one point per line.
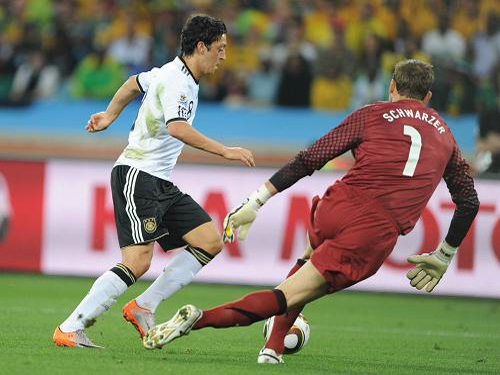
414 154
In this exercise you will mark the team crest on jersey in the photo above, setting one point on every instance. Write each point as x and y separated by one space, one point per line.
150 224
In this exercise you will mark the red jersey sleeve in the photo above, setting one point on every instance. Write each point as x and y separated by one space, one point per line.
461 187
342 138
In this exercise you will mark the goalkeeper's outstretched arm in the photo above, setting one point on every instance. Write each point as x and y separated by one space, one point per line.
342 138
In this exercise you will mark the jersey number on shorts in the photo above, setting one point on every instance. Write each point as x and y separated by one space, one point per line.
414 154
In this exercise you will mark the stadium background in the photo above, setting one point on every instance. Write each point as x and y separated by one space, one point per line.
294 70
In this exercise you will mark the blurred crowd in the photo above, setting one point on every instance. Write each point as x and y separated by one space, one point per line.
325 54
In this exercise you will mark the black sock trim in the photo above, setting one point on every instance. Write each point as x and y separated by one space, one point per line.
124 273
301 262
280 296
250 315
201 255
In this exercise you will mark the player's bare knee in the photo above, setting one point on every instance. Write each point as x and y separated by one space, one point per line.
215 246
139 266
137 258
143 266
205 237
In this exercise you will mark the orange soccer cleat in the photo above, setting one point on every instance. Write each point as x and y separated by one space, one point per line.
76 339
142 319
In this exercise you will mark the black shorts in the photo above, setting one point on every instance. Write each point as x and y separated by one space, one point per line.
148 208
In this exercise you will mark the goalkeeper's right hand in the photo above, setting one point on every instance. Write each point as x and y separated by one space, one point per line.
430 267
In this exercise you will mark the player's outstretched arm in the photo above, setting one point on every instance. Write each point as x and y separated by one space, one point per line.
125 94
334 143
192 137
344 137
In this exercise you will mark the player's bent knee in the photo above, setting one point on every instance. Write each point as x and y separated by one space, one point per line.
206 237
144 267
138 266
215 246
211 245
137 259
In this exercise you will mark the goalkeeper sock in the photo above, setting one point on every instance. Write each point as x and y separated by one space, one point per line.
103 294
283 323
178 272
250 309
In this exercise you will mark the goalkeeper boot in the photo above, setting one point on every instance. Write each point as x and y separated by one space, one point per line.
77 339
142 319
267 355
179 325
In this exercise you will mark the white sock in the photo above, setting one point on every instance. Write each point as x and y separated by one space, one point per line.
178 272
103 294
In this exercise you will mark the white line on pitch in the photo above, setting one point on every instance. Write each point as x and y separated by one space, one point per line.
397 331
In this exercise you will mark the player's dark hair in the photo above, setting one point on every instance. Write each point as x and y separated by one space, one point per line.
413 78
200 28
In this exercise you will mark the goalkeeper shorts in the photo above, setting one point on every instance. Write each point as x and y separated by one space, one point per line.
351 236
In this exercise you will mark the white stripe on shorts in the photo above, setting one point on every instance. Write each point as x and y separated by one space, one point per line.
128 192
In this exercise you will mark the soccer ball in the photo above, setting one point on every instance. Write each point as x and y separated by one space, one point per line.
296 337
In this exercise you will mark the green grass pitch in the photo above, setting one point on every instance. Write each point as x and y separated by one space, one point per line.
351 333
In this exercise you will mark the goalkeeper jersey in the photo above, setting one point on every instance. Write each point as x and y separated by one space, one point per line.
402 150
170 94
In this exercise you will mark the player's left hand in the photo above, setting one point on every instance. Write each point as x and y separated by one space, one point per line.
240 218
239 153
430 267
98 122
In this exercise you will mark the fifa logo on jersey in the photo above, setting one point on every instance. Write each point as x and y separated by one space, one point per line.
150 225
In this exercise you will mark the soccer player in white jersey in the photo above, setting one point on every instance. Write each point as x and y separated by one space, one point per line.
148 206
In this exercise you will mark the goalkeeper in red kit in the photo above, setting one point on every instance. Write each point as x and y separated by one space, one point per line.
402 149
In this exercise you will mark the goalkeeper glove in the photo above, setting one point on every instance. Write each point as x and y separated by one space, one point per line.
243 216
430 267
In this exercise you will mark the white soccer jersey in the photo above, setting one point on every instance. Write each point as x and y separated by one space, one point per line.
5 208
170 93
